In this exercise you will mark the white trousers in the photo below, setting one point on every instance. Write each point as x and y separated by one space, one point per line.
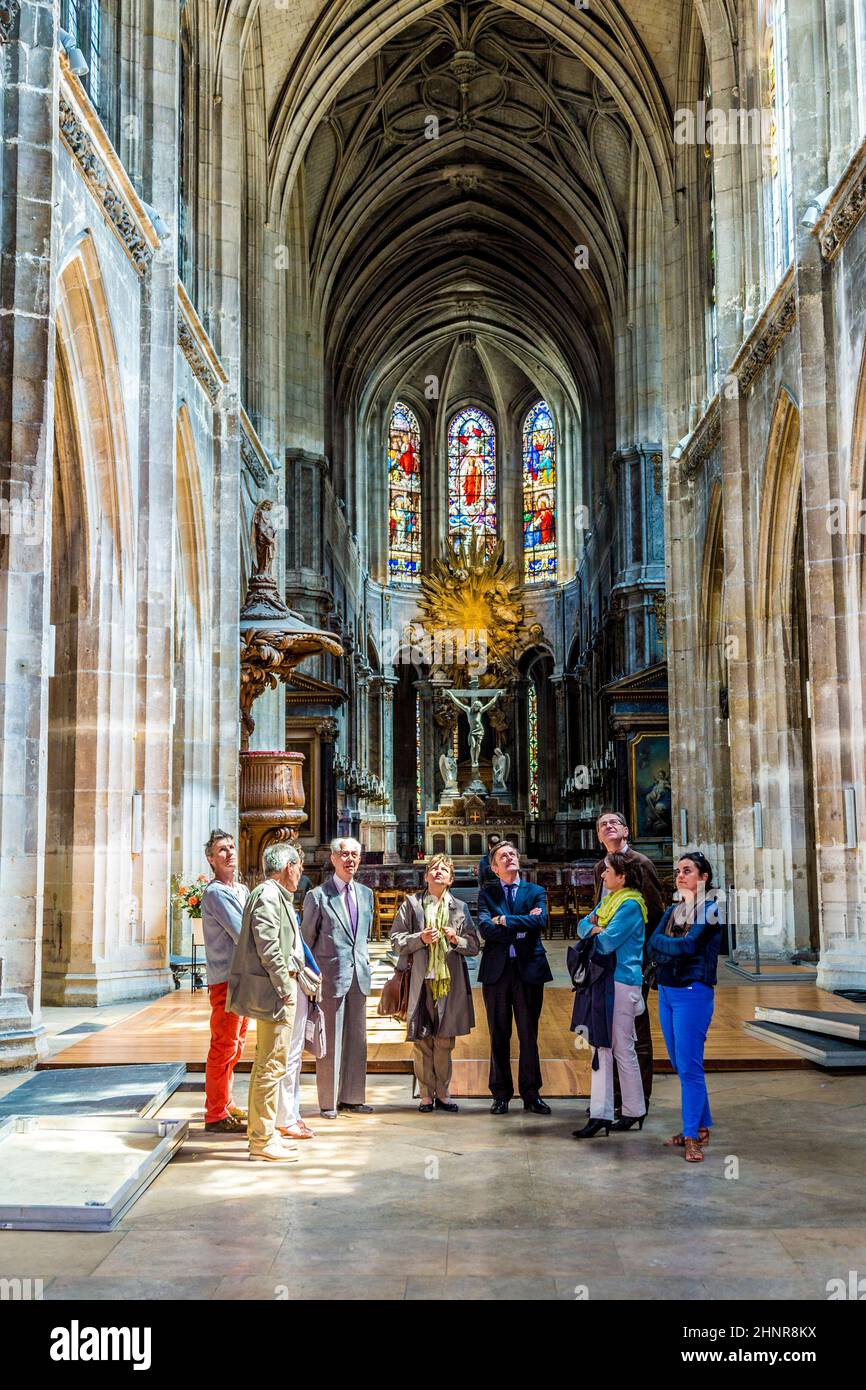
627 1006
289 1099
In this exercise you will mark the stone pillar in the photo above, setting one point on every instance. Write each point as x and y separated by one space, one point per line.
305 552
27 293
389 685
327 731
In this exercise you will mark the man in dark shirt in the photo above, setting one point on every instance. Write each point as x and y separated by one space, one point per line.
613 832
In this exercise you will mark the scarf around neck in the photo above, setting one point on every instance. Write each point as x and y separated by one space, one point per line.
436 917
610 906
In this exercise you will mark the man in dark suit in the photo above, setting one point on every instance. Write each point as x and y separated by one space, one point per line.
512 914
613 833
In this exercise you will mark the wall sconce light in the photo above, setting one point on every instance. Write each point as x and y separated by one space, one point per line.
684 827
137 822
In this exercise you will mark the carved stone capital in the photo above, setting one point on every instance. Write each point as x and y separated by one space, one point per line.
767 336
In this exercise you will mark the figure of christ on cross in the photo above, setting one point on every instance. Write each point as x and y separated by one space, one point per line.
473 704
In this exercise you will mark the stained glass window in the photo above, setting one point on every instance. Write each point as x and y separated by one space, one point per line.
539 495
532 701
404 496
781 173
472 476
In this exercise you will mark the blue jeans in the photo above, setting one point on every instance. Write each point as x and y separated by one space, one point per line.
684 1015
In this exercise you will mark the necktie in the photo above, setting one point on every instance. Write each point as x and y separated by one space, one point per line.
352 908
510 890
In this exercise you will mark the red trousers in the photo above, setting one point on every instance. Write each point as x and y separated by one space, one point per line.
227 1034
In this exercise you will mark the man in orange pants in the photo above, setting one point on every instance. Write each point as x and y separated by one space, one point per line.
222 909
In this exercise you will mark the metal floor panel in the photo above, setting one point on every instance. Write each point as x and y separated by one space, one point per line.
835 1025
79 1173
825 1052
137 1091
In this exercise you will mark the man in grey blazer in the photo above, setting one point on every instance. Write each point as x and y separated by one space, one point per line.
263 984
338 916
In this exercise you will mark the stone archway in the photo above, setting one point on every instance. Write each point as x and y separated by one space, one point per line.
94 947
787 789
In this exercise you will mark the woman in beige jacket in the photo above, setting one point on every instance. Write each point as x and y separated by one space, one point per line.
433 933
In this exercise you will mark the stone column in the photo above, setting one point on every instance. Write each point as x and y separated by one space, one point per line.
27 289
327 731
389 685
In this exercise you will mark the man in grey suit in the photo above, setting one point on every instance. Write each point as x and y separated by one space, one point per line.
338 916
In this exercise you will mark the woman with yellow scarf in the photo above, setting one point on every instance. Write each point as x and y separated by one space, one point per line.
618 924
433 933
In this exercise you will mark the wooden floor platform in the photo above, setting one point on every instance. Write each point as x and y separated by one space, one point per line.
176 1029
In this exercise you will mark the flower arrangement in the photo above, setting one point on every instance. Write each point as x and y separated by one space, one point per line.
186 897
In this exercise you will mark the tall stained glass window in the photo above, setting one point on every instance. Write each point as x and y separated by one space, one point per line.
532 702
781 173
404 496
472 476
539 494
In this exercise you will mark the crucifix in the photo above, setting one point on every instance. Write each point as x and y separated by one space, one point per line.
475 704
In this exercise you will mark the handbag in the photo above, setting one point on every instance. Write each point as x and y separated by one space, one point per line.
394 1002
315 1036
310 983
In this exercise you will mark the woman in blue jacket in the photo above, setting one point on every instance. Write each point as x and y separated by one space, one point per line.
618 924
685 951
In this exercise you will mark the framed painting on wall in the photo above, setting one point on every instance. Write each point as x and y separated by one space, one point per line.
650 779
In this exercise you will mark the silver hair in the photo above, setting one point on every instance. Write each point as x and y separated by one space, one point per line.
342 842
276 857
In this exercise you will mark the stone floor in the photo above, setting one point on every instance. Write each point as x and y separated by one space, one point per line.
403 1206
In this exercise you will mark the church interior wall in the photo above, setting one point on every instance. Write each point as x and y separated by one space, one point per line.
323 299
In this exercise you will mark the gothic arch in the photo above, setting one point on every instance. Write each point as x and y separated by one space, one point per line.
332 55
781 510
190 522
86 340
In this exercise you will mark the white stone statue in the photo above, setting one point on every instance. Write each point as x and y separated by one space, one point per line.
501 769
448 768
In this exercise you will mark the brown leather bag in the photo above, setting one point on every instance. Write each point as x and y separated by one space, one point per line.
394 1002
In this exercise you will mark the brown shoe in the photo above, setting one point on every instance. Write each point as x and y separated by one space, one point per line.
235 1113
230 1125
296 1132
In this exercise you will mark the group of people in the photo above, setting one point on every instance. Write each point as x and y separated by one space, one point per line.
304 978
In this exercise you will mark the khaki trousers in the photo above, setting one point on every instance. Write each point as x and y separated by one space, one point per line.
273 1040
432 1061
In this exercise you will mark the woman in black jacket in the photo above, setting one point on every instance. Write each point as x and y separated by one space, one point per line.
685 950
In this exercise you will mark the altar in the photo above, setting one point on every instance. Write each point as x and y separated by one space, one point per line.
460 827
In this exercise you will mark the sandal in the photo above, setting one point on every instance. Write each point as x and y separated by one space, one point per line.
693 1151
677 1141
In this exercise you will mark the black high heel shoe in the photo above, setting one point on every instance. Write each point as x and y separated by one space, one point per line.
592 1129
628 1122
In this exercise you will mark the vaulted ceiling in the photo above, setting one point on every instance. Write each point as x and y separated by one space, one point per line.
469 185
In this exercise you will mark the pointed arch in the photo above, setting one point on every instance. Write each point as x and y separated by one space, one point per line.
539 494
404 495
189 521
97 414
780 514
713 580
472 475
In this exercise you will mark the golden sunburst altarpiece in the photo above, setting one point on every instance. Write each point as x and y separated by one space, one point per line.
471 598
